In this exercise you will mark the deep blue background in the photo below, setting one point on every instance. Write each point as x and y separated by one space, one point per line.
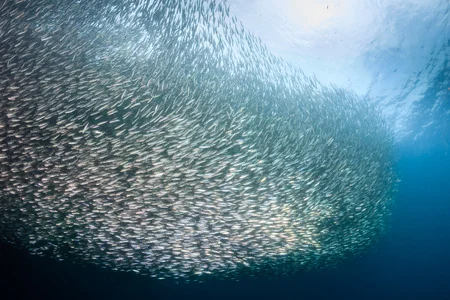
411 262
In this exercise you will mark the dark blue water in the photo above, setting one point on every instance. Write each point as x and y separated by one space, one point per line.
411 262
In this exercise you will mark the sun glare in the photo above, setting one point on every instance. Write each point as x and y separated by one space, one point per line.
312 13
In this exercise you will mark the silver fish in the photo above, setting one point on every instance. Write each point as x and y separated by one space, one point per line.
158 137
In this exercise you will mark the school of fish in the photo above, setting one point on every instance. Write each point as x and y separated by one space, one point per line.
159 137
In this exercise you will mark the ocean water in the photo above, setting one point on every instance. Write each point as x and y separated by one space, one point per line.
410 262
395 53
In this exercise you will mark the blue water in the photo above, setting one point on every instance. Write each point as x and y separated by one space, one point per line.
412 261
